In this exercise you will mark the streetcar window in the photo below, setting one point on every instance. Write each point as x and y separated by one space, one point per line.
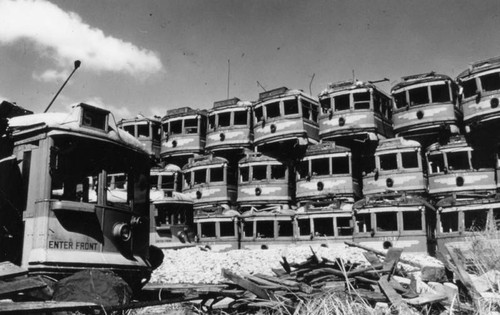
490 82
291 107
409 159
440 93
362 100
475 220
377 103
412 220
306 110
176 127
216 174
265 229
304 226
326 104
436 163
211 122
340 165
314 113
285 228
419 96
458 160
258 113
323 227
469 87
167 182
388 162
278 171
244 174
387 221
130 129
248 229
273 110
156 132
143 130
208 229
496 218
342 102
400 99
320 166
240 118
200 176
303 169
224 119
187 179
165 128
120 182
227 229
191 125
259 172
344 227
449 222
369 164
153 181
364 222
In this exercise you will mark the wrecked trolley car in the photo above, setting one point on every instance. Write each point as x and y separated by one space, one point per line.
146 130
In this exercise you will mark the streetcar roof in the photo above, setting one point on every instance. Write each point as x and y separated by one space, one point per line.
420 78
326 147
204 160
396 143
480 66
138 120
348 85
230 103
282 92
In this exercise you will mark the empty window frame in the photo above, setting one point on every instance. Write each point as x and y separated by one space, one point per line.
449 221
258 114
388 161
224 119
191 125
216 174
400 99
304 225
211 122
156 132
303 169
440 93
176 127
208 229
412 220
259 172
342 102
361 100
130 129
469 87
153 181
265 229
387 221
273 110
419 96
248 229
344 226
143 130
278 171
436 163
409 159
240 118
200 176
244 173
475 220
326 104
187 179
458 160
227 229
323 227
364 222
340 165
490 82
320 166
167 182
291 107
285 228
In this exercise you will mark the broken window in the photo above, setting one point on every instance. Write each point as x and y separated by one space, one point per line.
326 104
187 179
409 159
156 132
369 164
285 228
208 229
449 222
400 99
490 82
224 119
306 110
387 221
320 166
458 160
314 113
265 229
323 227
153 181
342 102
200 176
388 162
361 100
176 127
303 169
340 165
259 172
344 227
240 118
436 163
191 125
469 87
291 107
376 103
364 222
440 93
216 174
143 130
419 96
167 182
412 220
258 113
227 229
278 171
211 122
304 226
248 229
130 129
244 171
165 128
273 110
475 220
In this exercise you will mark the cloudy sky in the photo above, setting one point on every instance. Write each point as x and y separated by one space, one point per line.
149 56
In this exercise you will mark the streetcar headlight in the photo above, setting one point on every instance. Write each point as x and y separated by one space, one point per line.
122 231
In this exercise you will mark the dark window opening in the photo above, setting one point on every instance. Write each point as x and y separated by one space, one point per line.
156 132
259 172
291 107
475 220
303 169
314 113
306 110
387 221
458 160
143 130
412 220
369 164
449 222
165 128
362 100
490 82
469 87
244 171
440 93
240 118
258 113
224 119
344 227
227 229
278 171
191 125
187 179
130 129
496 218
326 104
436 163
342 102
265 229
364 222
273 110
323 227
248 229
200 176
419 96
377 103
153 181
400 99
304 226
216 174
167 182
176 127
388 162
409 159
340 165
208 229
211 122
285 228
320 166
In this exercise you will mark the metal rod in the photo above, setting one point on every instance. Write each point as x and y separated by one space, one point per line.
228 73
77 65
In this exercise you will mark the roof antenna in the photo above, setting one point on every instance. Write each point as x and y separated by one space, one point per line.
310 83
353 77
258 84
228 72
77 64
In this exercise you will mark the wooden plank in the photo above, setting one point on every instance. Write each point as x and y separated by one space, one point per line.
246 284
461 272
394 298
372 258
20 285
9 270
381 253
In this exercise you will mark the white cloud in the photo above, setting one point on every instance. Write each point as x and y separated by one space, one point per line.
66 37
51 75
